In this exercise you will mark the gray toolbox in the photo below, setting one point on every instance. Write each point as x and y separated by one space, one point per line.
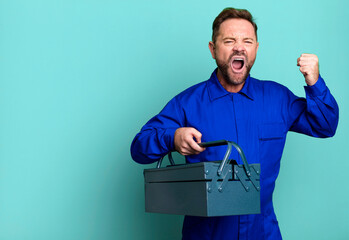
207 189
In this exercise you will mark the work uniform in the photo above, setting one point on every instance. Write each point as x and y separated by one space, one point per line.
258 119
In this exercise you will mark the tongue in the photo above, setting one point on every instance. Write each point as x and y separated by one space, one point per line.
237 64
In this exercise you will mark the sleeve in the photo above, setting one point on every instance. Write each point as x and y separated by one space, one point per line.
156 138
316 115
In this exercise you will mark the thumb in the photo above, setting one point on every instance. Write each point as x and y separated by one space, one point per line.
197 135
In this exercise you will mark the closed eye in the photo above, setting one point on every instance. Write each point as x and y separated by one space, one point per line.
229 42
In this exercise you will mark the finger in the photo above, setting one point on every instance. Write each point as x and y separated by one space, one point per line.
303 63
185 149
308 68
308 60
185 143
298 61
308 63
188 150
305 54
308 57
195 148
197 135
190 146
304 71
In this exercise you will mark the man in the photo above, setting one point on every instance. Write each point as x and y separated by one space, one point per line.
232 105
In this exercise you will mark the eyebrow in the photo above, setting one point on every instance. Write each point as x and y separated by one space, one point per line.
246 38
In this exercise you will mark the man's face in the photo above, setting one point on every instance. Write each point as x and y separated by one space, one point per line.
235 51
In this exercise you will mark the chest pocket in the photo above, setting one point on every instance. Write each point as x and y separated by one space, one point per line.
272 138
271 131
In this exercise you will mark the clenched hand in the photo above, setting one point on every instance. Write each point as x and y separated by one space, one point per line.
309 67
184 141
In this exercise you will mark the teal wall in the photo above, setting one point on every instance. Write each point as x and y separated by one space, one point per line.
78 79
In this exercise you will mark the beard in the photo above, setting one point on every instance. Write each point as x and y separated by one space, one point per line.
227 73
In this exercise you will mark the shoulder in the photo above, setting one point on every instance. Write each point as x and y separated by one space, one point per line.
269 88
187 99
268 84
194 92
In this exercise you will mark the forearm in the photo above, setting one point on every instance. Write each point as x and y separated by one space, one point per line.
318 115
156 138
151 144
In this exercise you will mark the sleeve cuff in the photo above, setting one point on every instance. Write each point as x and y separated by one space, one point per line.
317 89
169 138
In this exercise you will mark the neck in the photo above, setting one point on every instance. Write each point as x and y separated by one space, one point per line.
230 87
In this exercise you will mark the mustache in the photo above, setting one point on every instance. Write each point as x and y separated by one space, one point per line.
237 53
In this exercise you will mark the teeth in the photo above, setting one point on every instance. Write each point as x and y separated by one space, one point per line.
239 59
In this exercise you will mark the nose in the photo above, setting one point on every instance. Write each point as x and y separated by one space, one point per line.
238 46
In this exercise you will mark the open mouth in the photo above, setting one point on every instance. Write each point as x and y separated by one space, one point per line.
238 64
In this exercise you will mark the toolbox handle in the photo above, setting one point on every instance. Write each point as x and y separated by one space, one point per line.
170 158
225 160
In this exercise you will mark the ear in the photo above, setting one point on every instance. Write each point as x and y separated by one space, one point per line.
212 49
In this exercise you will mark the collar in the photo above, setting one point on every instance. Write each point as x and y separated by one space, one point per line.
216 90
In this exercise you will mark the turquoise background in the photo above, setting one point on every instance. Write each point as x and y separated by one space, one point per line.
78 79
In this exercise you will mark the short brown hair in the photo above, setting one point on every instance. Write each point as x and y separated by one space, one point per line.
229 13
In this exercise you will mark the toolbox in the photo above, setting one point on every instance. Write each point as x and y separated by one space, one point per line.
218 188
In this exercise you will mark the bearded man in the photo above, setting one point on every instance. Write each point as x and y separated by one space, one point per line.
234 106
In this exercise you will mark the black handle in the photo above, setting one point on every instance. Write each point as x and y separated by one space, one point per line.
213 143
